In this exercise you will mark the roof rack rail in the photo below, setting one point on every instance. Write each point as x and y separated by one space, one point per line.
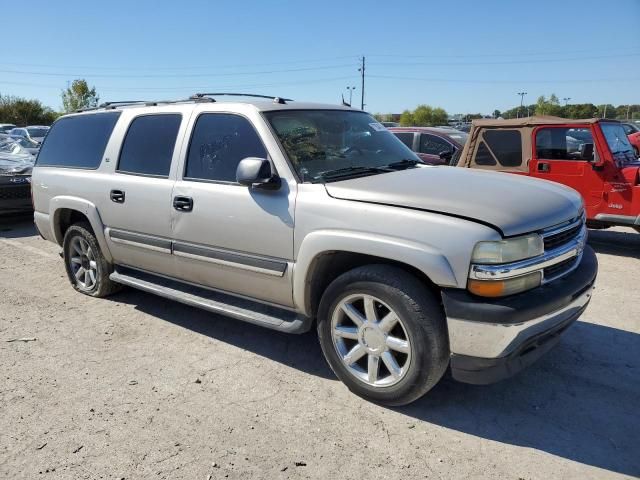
199 96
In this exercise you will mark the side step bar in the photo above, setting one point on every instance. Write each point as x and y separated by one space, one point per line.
224 304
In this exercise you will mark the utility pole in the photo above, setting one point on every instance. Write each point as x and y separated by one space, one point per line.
628 109
522 94
361 70
605 111
566 100
350 89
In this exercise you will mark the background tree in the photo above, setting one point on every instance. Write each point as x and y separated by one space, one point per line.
606 111
22 112
550 106
406 119
497 113
78 96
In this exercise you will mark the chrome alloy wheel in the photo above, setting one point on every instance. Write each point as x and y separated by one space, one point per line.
83 263
370 340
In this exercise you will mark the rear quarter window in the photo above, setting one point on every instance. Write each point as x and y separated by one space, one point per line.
506 145
78 141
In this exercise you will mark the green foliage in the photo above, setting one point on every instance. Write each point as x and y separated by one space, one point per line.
22 112
496 113
78 96
424 116
548 107
406 119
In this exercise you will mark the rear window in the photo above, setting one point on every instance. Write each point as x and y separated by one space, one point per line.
406 138
148 146
78 141
506 145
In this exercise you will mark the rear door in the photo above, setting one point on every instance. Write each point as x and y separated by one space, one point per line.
228 236
564 154
136 198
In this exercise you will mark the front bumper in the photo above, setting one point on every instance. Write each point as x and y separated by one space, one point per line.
491 339
14 197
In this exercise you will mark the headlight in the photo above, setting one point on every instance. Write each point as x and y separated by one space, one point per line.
509 250
502 288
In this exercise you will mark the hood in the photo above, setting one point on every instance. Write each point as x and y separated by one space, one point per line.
513 204
19 164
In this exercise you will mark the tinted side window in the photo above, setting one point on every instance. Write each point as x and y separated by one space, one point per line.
406 138
218 143
433 145
564 144
506 146
78 141
148 146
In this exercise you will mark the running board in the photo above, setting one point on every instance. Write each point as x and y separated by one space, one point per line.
224 304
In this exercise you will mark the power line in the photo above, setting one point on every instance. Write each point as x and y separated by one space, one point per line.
508 62
490 55
520 81
177 75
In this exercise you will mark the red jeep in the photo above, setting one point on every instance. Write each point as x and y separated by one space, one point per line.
592 156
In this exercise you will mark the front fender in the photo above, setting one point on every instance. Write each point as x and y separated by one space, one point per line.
424 257
88 209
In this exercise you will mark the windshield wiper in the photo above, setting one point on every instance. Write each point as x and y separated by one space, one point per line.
349 171
404 163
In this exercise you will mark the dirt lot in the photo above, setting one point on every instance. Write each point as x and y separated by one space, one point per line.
139 387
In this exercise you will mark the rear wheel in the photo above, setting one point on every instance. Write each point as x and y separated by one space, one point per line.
87 269
383 333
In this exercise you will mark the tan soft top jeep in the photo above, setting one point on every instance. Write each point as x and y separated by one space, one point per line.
593 156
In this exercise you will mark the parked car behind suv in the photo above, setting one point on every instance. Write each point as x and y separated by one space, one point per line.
633 133
603 167
434 145
33 133
15 177
286 214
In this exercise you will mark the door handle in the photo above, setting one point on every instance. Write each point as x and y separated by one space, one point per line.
183 204
544 167
117 196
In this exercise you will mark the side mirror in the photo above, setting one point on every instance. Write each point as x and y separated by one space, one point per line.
257 172
446 155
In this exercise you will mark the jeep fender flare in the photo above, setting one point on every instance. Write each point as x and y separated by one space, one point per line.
88 209
422 256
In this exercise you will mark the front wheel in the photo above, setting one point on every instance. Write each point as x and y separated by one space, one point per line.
383 333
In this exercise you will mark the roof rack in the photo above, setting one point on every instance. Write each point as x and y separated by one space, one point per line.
199 96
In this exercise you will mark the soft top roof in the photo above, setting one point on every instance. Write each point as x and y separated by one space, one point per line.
534 121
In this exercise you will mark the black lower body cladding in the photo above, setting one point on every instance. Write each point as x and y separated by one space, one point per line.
533 322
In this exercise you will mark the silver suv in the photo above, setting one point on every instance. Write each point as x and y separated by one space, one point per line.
289 215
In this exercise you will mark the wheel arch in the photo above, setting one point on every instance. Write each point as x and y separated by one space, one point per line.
323 256
67 210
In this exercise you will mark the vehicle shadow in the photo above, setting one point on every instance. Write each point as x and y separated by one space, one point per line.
580 402
301 352
614 242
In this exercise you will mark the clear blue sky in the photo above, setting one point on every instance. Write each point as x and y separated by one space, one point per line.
465 56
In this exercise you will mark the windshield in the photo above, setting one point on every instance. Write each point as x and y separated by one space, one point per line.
325 145
619 144
37 132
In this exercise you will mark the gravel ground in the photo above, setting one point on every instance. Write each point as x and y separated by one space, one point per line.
136 386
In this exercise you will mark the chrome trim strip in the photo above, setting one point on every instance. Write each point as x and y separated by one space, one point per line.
509 270
556 231
492 340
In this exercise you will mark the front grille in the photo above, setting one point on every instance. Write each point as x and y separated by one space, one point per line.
15 193
555 240
559 269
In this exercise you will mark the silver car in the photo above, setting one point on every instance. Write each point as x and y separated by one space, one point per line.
291 215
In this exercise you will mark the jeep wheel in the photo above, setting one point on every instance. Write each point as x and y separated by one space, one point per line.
87 269
383 333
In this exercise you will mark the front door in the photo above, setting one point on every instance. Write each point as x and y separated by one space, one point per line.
228 236
565 154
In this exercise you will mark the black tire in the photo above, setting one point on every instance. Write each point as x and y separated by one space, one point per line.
422 318
103 286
